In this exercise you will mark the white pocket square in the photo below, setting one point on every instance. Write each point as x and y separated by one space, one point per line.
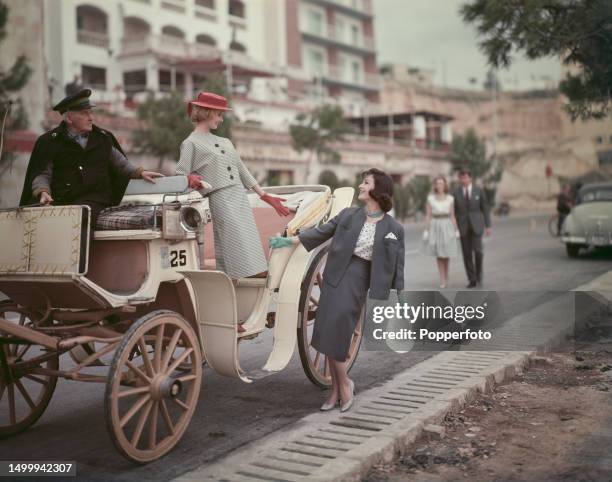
391 236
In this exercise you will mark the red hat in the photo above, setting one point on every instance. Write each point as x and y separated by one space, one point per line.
209 101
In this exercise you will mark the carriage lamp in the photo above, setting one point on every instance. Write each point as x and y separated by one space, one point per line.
190 218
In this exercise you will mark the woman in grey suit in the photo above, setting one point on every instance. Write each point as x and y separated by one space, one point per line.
213 159
366 252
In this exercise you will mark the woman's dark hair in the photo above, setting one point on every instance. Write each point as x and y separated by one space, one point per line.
383 188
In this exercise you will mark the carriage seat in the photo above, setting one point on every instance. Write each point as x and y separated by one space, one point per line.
139 208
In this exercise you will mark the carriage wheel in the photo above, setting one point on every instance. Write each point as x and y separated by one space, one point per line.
315 364
24 395
153 386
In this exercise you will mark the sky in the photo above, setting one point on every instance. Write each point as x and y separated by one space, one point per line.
430 34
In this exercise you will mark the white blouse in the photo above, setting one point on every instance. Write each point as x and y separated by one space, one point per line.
440 207
365 241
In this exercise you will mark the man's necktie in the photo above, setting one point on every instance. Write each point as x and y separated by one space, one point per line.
466 193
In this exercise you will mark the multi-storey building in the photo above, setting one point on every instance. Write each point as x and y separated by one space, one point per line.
273 51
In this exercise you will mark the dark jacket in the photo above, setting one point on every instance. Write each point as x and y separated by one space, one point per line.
475 213
387 270
79 175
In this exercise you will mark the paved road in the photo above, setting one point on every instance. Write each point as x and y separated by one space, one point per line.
520 256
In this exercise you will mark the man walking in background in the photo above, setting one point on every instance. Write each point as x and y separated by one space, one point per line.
473 219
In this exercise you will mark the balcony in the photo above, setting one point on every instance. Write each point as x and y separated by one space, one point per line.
369 82
333 37
167 46
361 9
95 39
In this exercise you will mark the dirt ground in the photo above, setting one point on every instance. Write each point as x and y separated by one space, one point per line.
538 427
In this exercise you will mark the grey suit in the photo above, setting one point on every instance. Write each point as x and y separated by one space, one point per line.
387 255
472 218
348 277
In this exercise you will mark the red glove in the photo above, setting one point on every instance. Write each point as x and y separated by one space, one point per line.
195 181
276 203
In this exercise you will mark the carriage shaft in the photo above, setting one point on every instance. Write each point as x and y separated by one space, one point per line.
28 334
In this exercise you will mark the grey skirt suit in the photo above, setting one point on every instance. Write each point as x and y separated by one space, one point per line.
347 278
238 249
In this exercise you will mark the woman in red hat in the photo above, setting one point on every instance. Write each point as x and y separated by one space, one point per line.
210 158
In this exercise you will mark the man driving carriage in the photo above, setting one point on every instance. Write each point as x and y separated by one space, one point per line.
79 163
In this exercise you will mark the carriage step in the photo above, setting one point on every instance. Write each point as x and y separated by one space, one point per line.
259 374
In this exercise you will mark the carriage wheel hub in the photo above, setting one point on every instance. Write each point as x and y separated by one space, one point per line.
165 387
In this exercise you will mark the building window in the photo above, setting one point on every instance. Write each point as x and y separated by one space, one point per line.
133 82
92 26
356 71
340 30
165 81
355 35
236 8
94 77
237 47
205 3
315 22
205 40
316 61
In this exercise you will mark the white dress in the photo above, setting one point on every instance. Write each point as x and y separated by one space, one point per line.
441 241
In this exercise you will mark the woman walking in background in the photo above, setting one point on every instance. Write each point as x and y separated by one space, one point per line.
214 159
366 252
441 233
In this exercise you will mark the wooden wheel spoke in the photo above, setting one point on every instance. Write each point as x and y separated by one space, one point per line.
153 426
320 278
170 349
36 379
159 342
142 420
186 378
25 394
314 300
11 400
166 417
135 408
315 363
179 360
133 391
22 353
137 371
145 358
326 367
180 403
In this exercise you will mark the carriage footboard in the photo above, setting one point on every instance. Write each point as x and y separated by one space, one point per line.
218 319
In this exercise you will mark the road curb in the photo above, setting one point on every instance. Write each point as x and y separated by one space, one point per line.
386 420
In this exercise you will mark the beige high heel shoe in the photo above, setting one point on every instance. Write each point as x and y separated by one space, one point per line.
326 407
347 406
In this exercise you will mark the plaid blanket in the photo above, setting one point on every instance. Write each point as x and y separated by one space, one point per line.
128 217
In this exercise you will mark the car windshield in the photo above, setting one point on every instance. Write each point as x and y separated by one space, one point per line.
599 194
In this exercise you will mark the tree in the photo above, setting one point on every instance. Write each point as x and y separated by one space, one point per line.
11 80
164 126
315 132
578 31
418 189
216 83
468 151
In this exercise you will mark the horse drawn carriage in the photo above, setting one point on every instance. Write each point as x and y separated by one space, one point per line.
139 306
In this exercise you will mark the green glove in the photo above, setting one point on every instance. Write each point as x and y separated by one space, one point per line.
280 242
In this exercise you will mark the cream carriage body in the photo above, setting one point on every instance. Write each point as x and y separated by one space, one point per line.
142 308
